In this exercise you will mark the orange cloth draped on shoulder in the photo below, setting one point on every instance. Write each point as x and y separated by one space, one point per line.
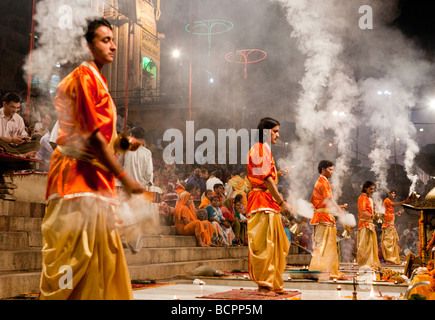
322 190
260 166
179 189
367 242
268 243
204 203
78 229
84 106
196 227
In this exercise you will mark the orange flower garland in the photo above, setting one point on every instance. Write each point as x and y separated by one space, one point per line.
420 235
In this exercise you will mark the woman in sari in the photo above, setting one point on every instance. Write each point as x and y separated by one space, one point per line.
186 222
224 234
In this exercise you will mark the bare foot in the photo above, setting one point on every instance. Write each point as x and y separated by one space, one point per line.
200 243
265 291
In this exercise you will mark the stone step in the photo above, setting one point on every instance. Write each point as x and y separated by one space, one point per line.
14 240
166 240
20 240
299 259
22 209
176 269
180 254
16 223
16 283
20 260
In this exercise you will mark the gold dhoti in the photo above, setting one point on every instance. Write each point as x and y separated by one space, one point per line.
268 249
325 254
389 245
367 248
82 245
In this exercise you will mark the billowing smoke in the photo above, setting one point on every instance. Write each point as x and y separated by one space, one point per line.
60 26
355 76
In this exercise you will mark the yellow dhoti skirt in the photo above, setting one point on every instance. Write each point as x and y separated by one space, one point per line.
268 249
81 244
325 253
389 245
367 248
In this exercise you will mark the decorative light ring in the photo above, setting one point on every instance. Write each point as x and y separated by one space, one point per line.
244 57
206 28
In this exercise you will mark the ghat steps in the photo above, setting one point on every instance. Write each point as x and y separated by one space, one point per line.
162 256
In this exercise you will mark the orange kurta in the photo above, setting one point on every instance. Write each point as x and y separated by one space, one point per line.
84 106
260 166
322 190
268 243
79 232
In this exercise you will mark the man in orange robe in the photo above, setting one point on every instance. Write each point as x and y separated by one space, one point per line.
79 228
389 237
367 242
268 244
325 255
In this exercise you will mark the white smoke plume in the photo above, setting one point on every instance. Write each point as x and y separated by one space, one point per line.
353 77
60 26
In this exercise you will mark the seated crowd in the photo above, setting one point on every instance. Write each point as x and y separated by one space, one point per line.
211 205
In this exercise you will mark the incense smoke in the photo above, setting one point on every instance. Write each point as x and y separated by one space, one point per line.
60 26
353 77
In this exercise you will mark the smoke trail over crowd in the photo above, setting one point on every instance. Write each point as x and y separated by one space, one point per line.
354 77
60 25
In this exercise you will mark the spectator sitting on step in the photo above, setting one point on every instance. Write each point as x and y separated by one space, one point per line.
13 136
187 224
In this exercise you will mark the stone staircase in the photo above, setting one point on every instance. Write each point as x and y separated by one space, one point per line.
163 255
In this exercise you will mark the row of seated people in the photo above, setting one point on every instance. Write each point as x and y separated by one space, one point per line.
216 221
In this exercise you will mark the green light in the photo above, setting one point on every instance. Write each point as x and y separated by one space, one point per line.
145 62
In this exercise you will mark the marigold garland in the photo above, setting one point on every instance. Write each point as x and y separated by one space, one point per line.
420 235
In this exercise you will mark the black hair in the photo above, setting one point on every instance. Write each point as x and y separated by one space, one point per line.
11 97
217 185
238 198
189 187
94 25
324 164
138 132
266 123
366 185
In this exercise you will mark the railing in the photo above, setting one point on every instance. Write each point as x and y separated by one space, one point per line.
144 97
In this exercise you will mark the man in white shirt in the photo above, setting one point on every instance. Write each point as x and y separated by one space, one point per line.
214 178
13 136
139 164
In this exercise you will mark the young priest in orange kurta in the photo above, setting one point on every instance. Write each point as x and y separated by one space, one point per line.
268 244
82 253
